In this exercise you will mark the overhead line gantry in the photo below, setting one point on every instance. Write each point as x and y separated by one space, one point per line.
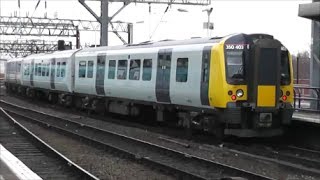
105 19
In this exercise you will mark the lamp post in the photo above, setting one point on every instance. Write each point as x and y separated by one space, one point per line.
208 25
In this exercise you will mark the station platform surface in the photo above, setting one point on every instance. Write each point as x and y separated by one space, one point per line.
306 117
12 168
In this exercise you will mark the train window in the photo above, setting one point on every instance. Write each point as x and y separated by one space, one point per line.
28 69
122 69
43 69
36 69
52 69
48 69
182 70
25 69
235 64
63 69
147 69
134 72
90 69
112 69
82 69
285 68
58 69
39 69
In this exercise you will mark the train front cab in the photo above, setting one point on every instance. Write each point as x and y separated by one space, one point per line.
251 85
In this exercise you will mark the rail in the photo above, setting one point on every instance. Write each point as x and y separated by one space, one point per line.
71 166
303 102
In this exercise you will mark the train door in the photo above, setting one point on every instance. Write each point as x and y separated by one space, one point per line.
163 75
32 73
205 73
52 74
100 73
266 58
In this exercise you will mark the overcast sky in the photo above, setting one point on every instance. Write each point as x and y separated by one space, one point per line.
278 18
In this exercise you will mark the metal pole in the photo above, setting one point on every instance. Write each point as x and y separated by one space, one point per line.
130 33
77 38
298 57
208 22
104 22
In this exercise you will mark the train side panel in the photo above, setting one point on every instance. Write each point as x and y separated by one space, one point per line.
119 83
185 74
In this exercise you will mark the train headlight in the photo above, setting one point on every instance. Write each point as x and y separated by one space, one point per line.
239 93
287 93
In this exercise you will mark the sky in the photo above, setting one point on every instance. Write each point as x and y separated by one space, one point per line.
275 17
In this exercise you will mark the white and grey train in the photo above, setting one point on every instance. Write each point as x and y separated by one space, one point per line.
197 82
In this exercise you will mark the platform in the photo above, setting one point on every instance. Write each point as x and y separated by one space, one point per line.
307 117
12 168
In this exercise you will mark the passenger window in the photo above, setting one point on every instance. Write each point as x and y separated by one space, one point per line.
63 69
44 69
112 69
182 70
82 69
36 71
25 68
53 65
48 69
122 69
28 69
90 69
147 69
58 69
39 69
134 72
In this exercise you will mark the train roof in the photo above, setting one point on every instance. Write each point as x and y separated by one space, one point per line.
57 54
149 44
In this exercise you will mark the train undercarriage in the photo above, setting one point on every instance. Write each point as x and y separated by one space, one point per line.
239 120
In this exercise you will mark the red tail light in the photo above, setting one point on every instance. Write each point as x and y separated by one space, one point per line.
233 97
284 98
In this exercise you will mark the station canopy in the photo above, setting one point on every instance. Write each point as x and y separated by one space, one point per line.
310 11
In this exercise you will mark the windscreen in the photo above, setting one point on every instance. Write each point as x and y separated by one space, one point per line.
236 51
235 64
285 68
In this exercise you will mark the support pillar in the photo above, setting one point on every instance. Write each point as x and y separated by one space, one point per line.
315 58
130 33
104 22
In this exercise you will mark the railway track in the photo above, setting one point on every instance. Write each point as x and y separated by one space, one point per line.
304 160
35 153
176 162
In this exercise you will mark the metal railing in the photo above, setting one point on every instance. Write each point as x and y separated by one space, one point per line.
307 98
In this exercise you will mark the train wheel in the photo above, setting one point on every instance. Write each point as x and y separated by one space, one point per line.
219 132
53 98
78 103
216 128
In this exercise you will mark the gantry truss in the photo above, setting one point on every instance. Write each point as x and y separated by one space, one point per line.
179 2
35 26
22 48
105 19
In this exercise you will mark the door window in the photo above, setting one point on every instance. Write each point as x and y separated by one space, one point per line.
122 69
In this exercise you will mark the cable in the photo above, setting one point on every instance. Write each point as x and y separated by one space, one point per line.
35 8
159 21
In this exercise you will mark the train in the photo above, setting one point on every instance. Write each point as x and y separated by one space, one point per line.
238 85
